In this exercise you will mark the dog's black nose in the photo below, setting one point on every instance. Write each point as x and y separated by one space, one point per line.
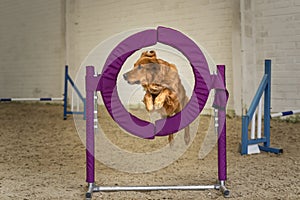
125 76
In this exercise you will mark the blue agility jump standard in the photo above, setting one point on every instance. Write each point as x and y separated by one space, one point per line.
264 88
68 79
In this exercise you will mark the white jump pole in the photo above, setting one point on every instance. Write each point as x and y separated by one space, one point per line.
32 99
286 113
252 136
72 102
64 99
259 119
77 104
253 122
253 148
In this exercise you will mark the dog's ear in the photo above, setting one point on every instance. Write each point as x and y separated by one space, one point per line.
144 54
150 54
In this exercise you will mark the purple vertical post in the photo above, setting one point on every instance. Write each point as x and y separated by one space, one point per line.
221 99
90 142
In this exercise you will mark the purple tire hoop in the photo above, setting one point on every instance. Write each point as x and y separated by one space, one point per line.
204 82
127 47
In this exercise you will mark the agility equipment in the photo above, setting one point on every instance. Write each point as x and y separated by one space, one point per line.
251 145
68 79
67 112
106 84
285 113
32 99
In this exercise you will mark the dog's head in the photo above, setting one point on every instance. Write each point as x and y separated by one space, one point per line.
145 68
142 74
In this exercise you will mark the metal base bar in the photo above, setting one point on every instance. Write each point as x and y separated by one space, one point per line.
153 188
257 141
75 113
271 149
93 188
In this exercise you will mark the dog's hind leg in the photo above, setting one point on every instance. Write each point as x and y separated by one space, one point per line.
187 136
171 140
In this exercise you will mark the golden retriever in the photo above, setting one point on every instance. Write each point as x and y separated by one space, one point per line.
165 93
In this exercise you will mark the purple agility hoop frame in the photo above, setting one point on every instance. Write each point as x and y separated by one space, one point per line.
204 82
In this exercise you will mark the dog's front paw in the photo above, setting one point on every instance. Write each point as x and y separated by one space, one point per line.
148 101
149 107
158 104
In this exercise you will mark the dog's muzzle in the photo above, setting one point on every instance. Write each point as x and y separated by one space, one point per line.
125 76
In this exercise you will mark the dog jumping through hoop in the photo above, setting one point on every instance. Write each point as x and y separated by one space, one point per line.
165 93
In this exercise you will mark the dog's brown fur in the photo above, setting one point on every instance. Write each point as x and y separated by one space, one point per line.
164 91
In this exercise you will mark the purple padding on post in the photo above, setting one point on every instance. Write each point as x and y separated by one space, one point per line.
90 140
202 81
222 163
220 102
107 83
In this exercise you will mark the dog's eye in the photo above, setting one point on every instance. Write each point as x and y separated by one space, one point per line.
140 67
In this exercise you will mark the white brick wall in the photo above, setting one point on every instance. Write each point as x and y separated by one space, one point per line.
209 22
39 36
31 48
276 36
279 25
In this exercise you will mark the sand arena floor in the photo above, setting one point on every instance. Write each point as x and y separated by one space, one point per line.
42 157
